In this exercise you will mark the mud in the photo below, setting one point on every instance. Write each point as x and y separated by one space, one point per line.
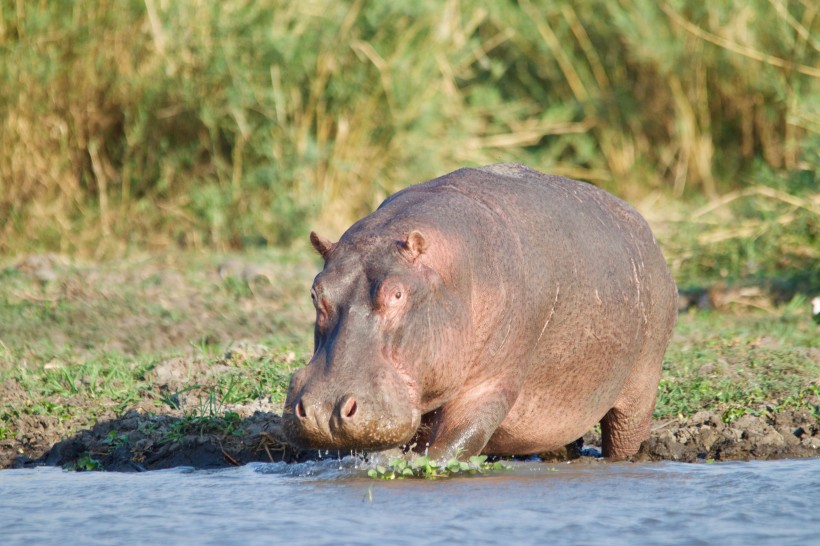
143 439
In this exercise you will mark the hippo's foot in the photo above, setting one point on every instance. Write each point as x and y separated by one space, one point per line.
622 435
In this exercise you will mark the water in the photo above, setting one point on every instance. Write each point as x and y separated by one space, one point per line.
773 502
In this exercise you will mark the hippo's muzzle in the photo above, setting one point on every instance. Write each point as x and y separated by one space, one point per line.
368 421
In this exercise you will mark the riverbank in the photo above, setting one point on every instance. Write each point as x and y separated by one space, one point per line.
164 361
146 441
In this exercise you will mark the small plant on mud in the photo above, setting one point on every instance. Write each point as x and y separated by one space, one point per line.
171 399
85 463
424 467
227 424
115 440
210 418
6 416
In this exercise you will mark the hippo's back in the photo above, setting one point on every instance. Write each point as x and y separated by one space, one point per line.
547 225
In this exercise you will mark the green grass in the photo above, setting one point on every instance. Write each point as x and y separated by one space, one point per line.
144 305
765 235
81 390
734 364
85 345
222 423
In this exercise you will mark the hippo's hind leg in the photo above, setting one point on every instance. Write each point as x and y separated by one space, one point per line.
628 423
623 430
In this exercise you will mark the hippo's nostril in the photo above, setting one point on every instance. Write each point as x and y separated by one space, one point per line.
300 410
349 407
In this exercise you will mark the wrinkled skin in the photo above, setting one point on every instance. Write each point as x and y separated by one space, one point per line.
496 310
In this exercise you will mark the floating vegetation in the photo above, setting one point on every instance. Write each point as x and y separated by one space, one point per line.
427 468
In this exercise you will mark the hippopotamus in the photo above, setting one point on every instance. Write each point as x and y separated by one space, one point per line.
496 310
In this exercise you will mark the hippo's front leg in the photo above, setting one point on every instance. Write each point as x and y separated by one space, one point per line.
462 427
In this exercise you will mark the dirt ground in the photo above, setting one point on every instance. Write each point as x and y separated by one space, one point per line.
147 439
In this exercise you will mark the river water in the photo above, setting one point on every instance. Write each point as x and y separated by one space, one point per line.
333 502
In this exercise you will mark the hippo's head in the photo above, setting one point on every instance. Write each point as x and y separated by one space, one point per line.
385 320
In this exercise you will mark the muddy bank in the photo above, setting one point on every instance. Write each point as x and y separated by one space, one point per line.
120 366
141 441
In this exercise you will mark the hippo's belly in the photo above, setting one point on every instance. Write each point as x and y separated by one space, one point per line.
568 391
540 425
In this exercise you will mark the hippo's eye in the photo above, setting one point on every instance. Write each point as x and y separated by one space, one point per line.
394 296
391 297
322 317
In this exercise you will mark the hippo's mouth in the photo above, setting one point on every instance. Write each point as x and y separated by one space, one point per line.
365 435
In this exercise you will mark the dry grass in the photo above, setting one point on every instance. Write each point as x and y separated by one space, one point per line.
760 236
154 124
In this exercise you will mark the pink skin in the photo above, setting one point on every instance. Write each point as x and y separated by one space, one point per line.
496 310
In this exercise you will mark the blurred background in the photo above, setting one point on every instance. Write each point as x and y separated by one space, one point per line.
148 125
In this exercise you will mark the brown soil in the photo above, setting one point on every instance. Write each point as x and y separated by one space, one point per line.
144 440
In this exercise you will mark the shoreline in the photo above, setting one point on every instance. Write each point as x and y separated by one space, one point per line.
141 441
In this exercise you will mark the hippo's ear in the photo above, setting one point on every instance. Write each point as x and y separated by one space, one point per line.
415 245
322 245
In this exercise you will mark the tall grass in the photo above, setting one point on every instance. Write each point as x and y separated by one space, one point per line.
156 123
765 234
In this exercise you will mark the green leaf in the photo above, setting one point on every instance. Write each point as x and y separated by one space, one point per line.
478 460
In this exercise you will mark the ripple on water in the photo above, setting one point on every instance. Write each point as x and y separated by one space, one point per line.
319 503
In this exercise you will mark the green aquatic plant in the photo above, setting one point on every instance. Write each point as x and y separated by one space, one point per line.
85 463
424 467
